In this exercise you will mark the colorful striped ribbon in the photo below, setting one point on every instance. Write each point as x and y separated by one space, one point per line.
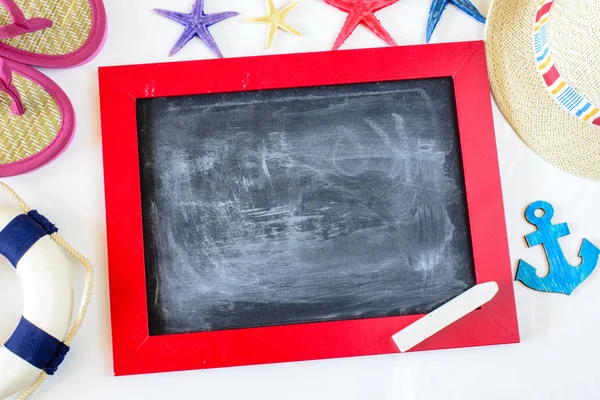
563 93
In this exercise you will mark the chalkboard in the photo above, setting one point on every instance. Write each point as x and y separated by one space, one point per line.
291 206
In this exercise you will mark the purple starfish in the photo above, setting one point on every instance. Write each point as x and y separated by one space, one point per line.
196 24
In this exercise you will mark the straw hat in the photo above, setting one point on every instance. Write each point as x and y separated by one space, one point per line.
544 66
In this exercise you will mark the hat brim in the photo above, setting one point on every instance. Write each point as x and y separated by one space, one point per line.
543 124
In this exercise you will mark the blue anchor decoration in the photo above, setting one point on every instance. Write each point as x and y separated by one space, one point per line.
563 277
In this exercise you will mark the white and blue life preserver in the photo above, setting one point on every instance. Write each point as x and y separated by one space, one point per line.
36 345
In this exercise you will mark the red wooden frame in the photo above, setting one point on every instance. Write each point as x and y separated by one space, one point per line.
136 352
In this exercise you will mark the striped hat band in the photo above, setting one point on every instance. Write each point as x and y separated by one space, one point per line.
558 85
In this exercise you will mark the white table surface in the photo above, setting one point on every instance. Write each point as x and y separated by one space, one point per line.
560 345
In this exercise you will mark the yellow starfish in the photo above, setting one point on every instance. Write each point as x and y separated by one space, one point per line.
276 19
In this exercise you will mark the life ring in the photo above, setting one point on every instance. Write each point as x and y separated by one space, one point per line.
47 294
42 338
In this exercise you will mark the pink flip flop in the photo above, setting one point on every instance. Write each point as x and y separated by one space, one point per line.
52 33
37 120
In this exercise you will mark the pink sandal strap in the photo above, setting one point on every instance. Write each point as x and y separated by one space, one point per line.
7 86
20 25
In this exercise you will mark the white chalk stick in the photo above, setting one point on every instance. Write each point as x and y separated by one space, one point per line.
446 315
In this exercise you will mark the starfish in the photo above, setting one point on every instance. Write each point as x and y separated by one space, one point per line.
362 11
438 7
276 19
196 24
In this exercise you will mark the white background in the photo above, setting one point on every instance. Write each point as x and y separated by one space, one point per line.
557 358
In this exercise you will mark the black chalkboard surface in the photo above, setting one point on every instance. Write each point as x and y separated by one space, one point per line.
302 205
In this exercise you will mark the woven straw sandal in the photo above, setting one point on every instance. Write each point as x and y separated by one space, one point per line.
52 33
37 120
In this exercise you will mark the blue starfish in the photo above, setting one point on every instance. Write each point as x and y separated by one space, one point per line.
438 7
196 24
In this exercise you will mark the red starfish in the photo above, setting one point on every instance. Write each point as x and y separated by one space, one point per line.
361 11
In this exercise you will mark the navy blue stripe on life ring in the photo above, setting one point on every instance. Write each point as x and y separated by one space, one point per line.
37 347
23 232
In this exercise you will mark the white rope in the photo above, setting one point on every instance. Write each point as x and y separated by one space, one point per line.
87 291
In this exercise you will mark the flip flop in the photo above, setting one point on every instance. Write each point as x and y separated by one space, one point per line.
52 33
37 120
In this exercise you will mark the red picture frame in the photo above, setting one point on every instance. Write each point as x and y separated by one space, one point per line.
136 352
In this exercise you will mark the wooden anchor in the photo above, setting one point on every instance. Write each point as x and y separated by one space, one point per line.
563 277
